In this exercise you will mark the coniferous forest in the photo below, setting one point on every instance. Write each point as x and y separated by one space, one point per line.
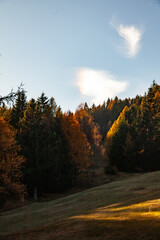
43 150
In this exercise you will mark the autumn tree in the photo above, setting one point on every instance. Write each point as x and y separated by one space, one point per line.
78 146
91 130
104 115
115 139
11 163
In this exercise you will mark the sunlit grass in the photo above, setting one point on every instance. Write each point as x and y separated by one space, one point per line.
147 209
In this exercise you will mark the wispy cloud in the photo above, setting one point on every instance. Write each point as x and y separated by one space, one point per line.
98 85
131 36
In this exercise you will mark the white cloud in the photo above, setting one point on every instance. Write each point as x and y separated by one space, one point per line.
98 85
131 36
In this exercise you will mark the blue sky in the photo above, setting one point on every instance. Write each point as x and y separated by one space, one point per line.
79 50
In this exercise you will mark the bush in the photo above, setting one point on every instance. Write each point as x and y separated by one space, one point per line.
111 170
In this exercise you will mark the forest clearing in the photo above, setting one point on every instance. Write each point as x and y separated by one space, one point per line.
123 209
80 120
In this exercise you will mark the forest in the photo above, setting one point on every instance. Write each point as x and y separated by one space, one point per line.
43 150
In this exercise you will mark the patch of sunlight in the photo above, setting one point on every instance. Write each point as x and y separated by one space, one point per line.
98 217
148 209
154 214
139 206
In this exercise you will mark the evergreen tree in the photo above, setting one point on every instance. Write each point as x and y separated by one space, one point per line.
45 147
141 147
18 108
29 142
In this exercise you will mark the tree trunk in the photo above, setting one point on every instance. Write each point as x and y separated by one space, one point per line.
35 194
89 180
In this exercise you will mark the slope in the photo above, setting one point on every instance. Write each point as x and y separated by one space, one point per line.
126 209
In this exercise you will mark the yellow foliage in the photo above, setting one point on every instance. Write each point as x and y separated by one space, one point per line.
110 105
113 130
116 123
157 97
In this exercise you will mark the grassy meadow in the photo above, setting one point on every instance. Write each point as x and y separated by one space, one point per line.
126 209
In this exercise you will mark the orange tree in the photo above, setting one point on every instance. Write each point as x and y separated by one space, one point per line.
10 163
78 146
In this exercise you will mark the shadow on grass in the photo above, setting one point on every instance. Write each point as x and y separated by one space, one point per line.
134 219
123 230
95 229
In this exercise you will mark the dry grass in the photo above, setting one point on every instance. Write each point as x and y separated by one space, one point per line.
126 209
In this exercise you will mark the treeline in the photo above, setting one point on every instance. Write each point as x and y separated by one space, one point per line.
50 148
42 149
133 141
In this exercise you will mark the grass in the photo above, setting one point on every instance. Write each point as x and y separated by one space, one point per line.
126 209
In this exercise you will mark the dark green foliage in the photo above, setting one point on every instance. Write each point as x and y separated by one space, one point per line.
18 109
117 152
135 146
11 96
48 168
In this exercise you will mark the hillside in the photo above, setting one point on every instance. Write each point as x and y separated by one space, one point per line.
125 209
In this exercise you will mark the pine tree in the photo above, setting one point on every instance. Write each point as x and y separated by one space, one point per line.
18 108
29 141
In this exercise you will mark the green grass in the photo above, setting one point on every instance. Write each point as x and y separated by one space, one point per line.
126 209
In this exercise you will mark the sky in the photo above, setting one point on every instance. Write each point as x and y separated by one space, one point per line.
79 50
